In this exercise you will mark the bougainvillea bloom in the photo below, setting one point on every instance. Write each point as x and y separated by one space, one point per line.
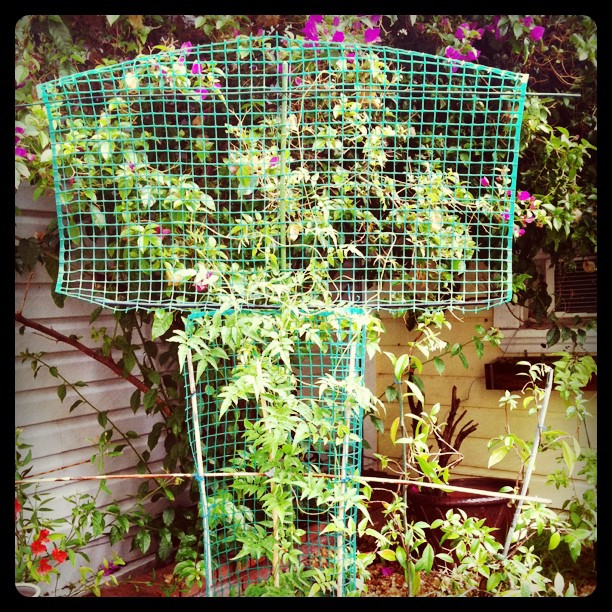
386 571
59 555
196 68
203 92
537 33
162 230
186 46
338 36
310 30
484 181
372 35
336 21
523 195
17 508
274 161
20 152
350 57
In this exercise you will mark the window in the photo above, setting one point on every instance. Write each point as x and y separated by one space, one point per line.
574 292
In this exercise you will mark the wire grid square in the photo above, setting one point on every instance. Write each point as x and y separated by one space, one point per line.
328 459
376 175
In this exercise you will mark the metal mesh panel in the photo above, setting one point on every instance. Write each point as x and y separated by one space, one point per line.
383 176
316 451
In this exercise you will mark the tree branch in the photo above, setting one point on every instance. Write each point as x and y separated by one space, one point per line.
106 361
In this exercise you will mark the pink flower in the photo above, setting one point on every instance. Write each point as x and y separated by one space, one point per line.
310 30
506 215
338 36
186 46
537 33
484 181
196 68
372 35
375 18
297 81
316 18
386 571
274 161
162 230
527 21
336 21
20 152
203 92
524 195
350 57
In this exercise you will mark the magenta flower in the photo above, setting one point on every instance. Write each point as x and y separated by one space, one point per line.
203 285
186 46
336 22
164 231
350 57
316 18
462 31
523 195
310 30
297 81
338 36
19 130
196 68
484 181
372 35
537 33
203 92
20 152
506 215
274 161
386 571
375 18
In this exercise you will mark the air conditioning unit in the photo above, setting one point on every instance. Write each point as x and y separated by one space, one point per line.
574 291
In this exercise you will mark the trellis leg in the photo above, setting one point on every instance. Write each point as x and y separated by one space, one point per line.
282 186
532 457
200 474
345 449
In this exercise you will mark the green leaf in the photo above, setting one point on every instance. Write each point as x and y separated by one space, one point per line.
112 18
61 392
554 541
161 322
387 554
553 336
95 313
149 400
391 393
439 365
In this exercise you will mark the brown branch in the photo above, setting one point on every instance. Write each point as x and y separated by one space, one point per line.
106 361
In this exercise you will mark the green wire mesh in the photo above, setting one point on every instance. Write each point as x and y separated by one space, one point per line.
375 175
317 446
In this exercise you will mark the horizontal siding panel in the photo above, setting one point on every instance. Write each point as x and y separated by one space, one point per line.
75 433
42 405
73 365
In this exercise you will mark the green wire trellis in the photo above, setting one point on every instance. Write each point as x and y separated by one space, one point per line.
359 174
245 542
374 175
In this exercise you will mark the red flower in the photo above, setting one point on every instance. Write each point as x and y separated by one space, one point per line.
59 555
17 508
38 548
44 567
44 535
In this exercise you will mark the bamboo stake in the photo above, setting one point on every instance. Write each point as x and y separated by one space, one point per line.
513 496
532 457
200 474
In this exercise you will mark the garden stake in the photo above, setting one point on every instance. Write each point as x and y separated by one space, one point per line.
532 456
200 472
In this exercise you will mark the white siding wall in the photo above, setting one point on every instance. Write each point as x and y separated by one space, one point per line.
64 442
